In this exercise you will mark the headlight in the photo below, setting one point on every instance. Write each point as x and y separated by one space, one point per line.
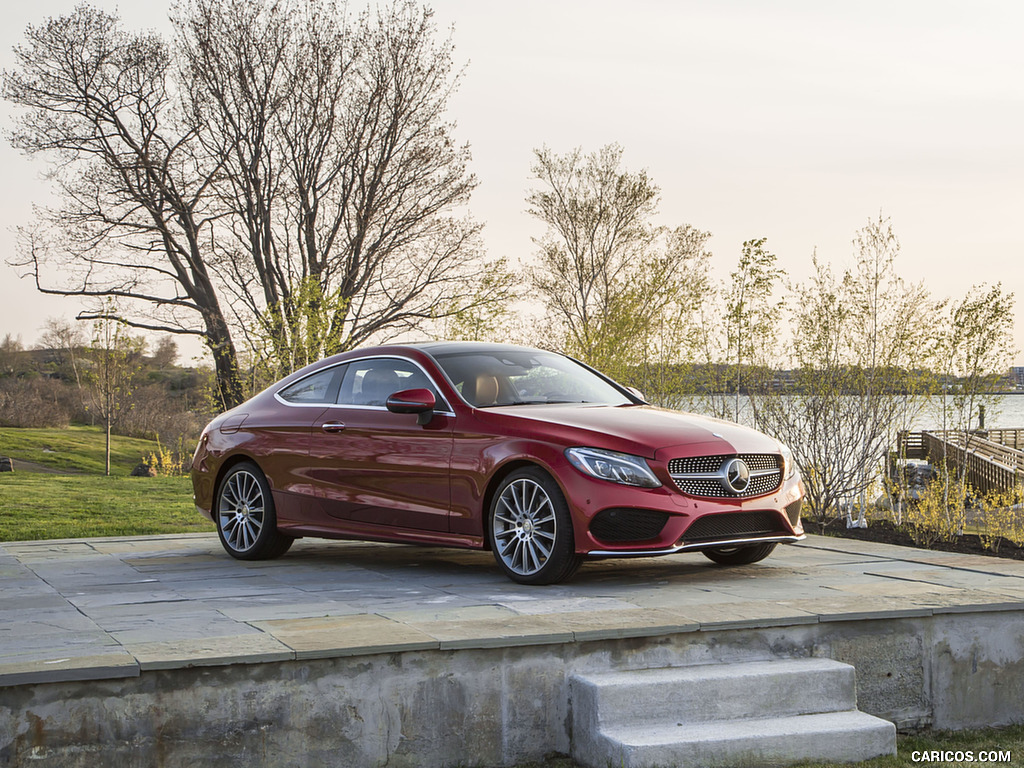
617 467
788 465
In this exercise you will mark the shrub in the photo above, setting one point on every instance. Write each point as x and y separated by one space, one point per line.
36 402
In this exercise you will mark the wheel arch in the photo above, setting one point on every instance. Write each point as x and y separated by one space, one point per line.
496 480
225 467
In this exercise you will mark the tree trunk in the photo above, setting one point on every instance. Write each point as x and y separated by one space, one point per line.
225 362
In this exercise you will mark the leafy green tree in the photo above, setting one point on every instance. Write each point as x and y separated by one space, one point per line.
116 363
682 294
487 315
592 256
855 341
619 291
751 317
974 350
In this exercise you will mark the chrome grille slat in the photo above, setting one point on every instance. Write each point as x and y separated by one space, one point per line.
702 475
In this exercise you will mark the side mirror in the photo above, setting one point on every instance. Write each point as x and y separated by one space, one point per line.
418 401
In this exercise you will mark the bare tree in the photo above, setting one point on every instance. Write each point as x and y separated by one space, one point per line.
166 352
278 171
65 341
10 353
676 295
100 101
341 179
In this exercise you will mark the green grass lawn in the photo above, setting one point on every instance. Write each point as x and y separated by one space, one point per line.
36 506
967 742
88 503
75 449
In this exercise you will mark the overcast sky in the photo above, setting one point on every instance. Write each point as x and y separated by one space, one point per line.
795 121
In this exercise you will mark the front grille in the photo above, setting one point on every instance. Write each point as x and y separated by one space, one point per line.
693 465
627 524
734 525
705 475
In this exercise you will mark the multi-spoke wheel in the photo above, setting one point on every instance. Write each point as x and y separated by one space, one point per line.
745 555
531 531
246 521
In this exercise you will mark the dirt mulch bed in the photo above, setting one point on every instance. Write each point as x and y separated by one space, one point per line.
884 532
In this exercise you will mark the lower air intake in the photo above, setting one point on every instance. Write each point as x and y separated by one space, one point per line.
625 524
735 525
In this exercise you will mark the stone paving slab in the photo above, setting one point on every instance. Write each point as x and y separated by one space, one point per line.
495 632
255 648
359 635
58 669
89 609
293 604
748 615
617 624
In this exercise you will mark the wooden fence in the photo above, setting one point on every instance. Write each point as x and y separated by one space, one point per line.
992 464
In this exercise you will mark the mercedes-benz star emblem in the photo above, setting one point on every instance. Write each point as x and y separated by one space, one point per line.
737 474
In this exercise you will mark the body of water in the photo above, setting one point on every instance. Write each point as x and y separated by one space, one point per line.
1001 411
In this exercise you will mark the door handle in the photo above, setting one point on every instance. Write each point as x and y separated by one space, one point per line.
332 426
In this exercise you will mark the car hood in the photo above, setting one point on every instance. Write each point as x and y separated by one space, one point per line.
644 430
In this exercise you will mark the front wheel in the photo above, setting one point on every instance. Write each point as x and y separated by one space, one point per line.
740 555
245 516
531 530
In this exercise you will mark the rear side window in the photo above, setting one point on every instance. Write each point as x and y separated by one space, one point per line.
318 388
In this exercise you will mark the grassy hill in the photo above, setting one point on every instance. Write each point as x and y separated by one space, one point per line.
75 449
82 501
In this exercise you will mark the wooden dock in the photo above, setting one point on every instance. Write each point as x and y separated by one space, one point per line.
994 457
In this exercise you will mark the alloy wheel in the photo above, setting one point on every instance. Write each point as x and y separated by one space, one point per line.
241 511
524 526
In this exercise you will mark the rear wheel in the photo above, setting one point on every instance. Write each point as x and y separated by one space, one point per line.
245 516
745 555
531 530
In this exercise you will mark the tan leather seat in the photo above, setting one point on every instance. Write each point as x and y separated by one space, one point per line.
485 391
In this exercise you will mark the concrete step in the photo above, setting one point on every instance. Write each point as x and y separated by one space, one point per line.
743 713
829 737
719 691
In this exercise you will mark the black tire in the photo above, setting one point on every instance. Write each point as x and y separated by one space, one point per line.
752 553
245 517
530 529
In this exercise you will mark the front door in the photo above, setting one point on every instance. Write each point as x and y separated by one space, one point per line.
377 467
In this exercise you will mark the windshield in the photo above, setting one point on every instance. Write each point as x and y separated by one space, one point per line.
525 377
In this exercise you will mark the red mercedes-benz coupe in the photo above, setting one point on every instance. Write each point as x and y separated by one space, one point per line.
528 453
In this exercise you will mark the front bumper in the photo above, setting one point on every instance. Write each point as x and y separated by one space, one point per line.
690 523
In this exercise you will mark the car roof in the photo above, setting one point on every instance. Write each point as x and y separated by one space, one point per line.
433 348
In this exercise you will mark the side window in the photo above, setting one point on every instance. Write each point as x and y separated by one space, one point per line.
320 387
373 381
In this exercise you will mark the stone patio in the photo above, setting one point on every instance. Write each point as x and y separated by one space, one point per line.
117 607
